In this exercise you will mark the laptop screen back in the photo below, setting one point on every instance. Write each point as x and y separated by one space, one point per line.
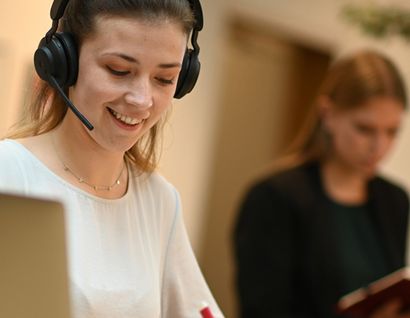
33 263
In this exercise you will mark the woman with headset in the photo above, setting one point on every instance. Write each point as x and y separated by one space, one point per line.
325 223
116 64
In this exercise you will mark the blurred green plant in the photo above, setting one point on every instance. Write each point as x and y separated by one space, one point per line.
379 21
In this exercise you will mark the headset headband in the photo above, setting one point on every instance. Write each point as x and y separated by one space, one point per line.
58 8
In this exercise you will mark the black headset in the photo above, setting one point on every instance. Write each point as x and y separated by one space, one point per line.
56 58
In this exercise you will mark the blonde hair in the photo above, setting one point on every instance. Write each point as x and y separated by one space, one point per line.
349 82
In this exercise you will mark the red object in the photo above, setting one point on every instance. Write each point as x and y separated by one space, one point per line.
362 302
206 313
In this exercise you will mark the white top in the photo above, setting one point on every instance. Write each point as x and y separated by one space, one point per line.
128 257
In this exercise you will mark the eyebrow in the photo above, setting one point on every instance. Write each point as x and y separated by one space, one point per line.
133 60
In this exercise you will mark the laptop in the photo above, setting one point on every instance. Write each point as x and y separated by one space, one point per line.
33 261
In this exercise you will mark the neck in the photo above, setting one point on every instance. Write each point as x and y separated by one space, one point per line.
88 165
344 185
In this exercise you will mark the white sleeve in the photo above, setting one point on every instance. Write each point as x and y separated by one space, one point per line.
12 177
184 289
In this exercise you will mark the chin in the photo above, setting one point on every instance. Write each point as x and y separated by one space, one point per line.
370 172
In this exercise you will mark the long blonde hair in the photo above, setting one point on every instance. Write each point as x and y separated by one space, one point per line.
349 83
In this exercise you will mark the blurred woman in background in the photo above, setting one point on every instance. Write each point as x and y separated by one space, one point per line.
324 223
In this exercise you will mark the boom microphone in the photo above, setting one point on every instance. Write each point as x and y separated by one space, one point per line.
84 120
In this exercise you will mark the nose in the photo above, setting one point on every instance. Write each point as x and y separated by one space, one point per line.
139 93
381 145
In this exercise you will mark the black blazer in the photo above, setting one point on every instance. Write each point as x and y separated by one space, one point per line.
285 252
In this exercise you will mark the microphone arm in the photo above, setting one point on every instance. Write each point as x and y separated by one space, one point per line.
70 104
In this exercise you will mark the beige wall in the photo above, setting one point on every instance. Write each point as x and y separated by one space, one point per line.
22 24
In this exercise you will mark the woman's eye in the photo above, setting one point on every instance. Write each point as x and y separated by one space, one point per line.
165 80
117 72
393 132
364 129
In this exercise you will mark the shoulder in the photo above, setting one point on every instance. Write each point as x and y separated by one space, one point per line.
14 165
8 148
159 184
295 177
157 190
382 186
296 189
385 183
291 182
11 155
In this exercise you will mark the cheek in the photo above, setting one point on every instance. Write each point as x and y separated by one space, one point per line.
385 145
159 111
162 99
92 87
347 142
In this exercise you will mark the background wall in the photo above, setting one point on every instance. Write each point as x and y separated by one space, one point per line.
206 139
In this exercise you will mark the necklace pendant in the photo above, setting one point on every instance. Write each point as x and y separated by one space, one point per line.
82 180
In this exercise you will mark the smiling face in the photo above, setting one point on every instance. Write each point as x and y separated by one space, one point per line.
128 71
361 137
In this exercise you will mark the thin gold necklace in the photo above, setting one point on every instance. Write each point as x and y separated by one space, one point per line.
82 180
95 186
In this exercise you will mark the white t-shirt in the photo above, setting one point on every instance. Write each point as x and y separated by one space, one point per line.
128 257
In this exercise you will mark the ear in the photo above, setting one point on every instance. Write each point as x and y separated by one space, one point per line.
324 105
326 111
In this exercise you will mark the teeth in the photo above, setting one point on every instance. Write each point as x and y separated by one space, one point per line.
126 119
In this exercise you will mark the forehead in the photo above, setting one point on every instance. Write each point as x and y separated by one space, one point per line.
136 35
386 110
108 24
150 19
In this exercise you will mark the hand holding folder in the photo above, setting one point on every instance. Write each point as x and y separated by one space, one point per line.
386 297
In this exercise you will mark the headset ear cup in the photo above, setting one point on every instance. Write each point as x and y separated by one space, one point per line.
188 75
50 61
43 61
71 57
57 58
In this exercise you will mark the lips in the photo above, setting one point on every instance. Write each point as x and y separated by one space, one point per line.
125 118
